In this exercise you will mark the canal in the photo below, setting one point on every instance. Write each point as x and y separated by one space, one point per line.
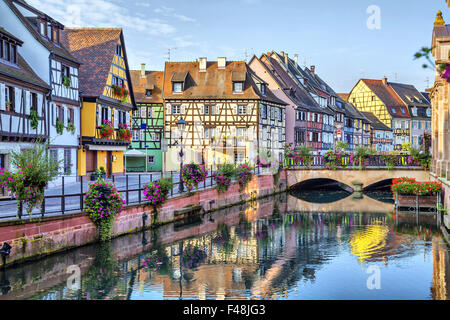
316 244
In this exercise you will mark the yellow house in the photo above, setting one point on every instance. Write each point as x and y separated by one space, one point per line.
107 98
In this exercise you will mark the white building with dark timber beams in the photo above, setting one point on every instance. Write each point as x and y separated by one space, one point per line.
22 101
51 62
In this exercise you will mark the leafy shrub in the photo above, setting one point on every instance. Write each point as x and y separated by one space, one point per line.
244 174
303 155
192 174
103 202
34 170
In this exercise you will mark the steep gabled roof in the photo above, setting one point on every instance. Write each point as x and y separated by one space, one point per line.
406 92
153 80
375 122
214 83
344 96
294 91
22 72
30 24
387 95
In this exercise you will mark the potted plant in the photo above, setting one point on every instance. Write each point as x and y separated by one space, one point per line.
102 203
8 105
124 133
34 122
59 127
66 81
71 128
106 130
192 174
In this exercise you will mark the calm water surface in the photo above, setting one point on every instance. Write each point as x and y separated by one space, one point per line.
269 249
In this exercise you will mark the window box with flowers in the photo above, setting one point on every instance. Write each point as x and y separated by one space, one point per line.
106 130
124 133
71 128
410 193
120 92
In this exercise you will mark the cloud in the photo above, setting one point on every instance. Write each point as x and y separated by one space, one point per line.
100 13
170 12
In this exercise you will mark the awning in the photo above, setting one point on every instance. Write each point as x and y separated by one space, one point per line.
179 76
135 153
106 148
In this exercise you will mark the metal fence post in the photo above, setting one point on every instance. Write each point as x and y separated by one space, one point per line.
43 207
63 202
81 193
126 188
139 189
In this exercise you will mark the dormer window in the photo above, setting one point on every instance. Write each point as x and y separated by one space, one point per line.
403 110
428 112
238 86
148 93
393 111
49 30
177 87
8 48
263 89
42 28
414 112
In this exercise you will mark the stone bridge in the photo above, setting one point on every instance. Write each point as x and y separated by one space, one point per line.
354 178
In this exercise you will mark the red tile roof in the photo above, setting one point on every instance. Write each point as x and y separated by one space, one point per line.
95 48
152 80
388 96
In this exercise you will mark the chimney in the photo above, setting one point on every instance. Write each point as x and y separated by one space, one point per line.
142 70
286 59
202 64
296 59
221 62
282 53
384 80
313 69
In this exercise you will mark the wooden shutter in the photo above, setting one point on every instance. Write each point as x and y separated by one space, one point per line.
2 96
127 115
53 111
116 118
40 105
182 109
99 115
17 99
27 101
65 114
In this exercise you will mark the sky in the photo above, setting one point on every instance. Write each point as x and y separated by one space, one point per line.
346 40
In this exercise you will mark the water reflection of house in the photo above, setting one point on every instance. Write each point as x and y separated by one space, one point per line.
440 289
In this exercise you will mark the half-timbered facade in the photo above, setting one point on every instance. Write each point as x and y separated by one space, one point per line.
378 97
22 100
221 103
147 122
102 105
381 134
49 59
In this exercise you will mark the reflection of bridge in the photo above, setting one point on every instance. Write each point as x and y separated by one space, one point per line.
350 177
348 204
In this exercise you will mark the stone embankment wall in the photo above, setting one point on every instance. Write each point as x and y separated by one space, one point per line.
31 239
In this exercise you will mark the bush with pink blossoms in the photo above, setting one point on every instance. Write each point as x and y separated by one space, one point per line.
192 174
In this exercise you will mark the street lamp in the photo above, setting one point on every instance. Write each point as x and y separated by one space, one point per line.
181 124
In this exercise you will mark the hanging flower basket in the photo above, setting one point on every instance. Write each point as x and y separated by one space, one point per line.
120 92
124 132
193 174
106 130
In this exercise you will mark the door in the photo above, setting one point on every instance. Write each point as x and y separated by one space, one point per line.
91 161
109 164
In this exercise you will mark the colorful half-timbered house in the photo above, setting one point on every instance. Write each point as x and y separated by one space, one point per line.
230 113
22 100
107 97
55 65
147 122
378 97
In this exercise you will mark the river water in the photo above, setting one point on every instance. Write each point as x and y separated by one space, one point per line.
306 245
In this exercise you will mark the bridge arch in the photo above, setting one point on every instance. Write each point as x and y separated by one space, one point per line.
351 177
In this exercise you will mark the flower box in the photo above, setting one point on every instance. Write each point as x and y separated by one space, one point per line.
417 201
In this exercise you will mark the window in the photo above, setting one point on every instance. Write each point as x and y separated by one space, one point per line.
143 112
428 112
263 111
119 50
280 114
49 31
9 98
65 72
176 109
206 133
136 135
55 35
34 105
373 98
177 87
403 110
280 134
272 113
242 109
42 28
263 89
206 109
70 117
414 111
148 93
54 155
149 112
13 57
238 86
238 157
151 159
67 161
393 111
